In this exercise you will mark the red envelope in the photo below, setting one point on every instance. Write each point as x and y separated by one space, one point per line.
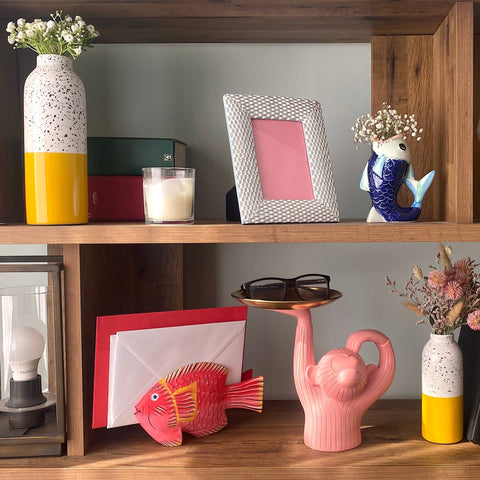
110 325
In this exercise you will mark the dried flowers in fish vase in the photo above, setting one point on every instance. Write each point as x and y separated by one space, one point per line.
389 166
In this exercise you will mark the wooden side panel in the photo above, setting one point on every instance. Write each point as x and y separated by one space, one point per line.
158 274
74 399
432 76
453 127
476 118
107 280
11 149
402 76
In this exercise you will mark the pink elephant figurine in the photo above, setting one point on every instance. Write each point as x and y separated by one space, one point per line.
336 392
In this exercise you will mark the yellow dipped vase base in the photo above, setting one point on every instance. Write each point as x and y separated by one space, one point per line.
442 419
56 188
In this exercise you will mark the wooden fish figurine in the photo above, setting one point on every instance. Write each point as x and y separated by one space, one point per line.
193 399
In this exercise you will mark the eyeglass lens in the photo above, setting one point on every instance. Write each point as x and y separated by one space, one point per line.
311 285
267 289
305 287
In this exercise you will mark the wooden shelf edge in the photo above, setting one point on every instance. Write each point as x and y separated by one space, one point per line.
227 232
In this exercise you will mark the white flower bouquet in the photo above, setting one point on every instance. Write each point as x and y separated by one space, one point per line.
61 35
387 123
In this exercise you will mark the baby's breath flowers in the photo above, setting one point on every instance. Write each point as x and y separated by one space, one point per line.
448 297
387 123
61 35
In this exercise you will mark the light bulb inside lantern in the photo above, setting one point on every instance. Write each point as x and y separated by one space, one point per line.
26 349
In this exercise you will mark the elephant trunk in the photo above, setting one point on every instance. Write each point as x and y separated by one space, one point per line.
379 377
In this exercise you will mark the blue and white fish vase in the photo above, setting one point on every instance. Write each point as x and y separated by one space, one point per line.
388 168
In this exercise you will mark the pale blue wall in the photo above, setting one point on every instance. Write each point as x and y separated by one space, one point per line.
176 91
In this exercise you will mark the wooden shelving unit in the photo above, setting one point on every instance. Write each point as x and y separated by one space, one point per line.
424 59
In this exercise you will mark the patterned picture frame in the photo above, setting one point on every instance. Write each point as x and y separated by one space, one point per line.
240 112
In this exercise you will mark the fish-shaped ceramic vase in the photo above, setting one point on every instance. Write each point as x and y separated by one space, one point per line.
387 170
193 399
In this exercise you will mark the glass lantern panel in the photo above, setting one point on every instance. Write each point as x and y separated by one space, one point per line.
24 324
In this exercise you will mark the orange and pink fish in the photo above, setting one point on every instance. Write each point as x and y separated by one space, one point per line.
193 399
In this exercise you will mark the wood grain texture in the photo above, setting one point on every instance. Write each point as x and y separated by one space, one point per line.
453 111
244 20
109 280
73 332
158 274
233 8
354 231
476 118
11 154
402 76
266 446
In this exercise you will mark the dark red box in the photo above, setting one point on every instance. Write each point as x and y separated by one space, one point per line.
118 198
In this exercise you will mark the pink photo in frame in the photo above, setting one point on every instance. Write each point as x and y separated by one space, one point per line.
280 159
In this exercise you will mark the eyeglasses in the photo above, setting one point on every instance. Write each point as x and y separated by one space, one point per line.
278 289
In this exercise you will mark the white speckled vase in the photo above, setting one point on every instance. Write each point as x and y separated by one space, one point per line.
55 127
442 390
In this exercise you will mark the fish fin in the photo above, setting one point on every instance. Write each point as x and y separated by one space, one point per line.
248 395
419 187
186 405
166 403
379 164
364 179
174 441
197 368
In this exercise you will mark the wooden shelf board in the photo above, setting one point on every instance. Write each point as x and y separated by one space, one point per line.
266 446
162 21
354 231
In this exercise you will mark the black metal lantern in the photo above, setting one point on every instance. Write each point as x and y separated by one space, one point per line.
32 421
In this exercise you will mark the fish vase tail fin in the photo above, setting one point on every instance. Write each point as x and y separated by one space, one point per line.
420 187
247 395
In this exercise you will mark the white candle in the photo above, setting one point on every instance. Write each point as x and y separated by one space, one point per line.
168 199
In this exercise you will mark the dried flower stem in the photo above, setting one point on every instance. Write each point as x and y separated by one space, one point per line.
413 308
445 259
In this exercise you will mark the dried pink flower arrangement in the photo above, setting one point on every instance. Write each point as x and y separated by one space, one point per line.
448 296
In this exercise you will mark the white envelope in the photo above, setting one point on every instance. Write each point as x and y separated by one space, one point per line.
141 358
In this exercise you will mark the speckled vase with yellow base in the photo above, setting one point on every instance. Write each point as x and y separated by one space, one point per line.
55 124
442 390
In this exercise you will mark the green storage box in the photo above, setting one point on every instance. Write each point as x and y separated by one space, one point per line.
127 156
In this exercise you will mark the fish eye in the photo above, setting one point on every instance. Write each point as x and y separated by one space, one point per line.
154 397
402 146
